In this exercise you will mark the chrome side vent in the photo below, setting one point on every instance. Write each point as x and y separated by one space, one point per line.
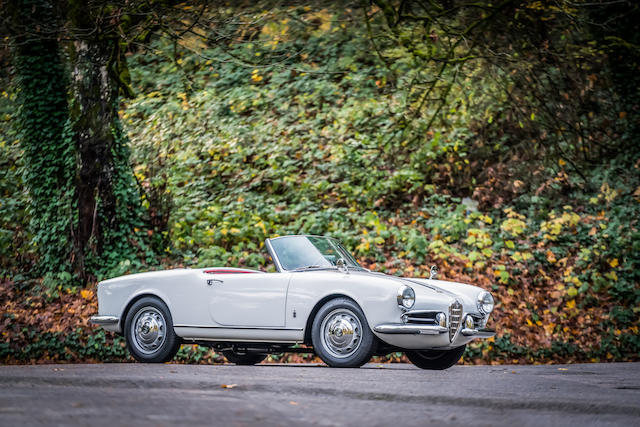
455 317
479 322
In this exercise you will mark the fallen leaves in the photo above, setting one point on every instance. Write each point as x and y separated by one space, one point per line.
549 328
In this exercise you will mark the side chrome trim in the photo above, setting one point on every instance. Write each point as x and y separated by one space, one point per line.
478 333
237 327
401 328
104 320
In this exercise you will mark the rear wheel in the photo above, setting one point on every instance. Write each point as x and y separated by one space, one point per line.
247 358
148 329
435 359
341 334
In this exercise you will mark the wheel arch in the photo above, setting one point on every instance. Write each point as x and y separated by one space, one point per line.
316 308
136 298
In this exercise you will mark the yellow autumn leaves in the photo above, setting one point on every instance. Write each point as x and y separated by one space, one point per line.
558 224
255 76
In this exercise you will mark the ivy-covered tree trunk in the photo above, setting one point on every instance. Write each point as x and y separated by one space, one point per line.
107 198
85 202
44 134
92 114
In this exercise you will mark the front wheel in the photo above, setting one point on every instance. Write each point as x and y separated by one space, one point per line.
341 334
243 358
148 329
435 359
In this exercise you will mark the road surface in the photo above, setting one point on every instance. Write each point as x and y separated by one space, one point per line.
276 395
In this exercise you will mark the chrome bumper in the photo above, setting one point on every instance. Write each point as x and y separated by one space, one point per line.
402 328
104 320
478 333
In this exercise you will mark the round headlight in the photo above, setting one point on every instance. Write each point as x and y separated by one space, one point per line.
406 296
485 302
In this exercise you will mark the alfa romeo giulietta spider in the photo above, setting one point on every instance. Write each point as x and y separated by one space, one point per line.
318 300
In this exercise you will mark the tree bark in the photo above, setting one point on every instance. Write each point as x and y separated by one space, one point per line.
93 114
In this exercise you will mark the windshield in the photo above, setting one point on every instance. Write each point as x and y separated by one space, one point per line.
310 252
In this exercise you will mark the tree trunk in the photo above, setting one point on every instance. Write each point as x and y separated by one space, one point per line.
42 119
93 114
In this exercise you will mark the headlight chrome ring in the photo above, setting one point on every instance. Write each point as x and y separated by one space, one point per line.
406 297
485 302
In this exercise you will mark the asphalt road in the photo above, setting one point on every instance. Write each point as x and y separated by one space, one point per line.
266 395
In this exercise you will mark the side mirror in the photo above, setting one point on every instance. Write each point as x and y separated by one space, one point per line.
342 265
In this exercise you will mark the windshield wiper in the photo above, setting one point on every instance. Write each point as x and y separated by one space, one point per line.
307 267
312 267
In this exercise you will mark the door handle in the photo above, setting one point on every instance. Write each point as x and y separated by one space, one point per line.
212 281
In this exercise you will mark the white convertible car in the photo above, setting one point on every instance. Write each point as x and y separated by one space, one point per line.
319 297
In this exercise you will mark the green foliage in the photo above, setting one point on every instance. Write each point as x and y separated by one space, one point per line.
14 237
311 151
124 245
48 156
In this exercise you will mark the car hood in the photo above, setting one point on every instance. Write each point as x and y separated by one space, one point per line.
465 293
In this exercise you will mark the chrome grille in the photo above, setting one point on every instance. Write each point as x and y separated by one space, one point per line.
455 317
421 317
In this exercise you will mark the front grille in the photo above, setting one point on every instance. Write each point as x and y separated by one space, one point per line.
455 317
421 318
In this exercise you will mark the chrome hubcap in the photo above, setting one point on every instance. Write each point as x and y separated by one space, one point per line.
148 330
341 333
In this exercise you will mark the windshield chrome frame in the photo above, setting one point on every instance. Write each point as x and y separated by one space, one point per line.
280 269
274 256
